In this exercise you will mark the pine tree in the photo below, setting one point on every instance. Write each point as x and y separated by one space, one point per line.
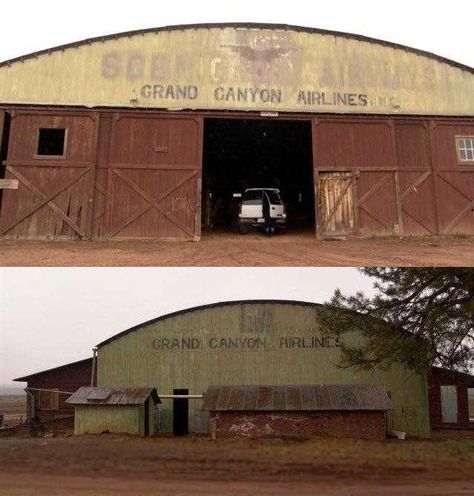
419 317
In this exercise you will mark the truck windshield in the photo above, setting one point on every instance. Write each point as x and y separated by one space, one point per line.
253 197
273 196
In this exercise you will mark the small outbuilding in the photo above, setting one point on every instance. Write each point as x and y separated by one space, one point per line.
353 410
121 411
449 399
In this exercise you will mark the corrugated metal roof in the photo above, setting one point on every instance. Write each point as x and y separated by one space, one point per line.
108 396
297 398
72 364
238 25
207 307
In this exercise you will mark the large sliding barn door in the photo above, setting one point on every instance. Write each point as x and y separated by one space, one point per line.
148 188
51 162
335 195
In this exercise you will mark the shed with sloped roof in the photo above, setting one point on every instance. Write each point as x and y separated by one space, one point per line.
117 410
338 410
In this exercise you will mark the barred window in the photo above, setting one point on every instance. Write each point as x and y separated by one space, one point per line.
465 149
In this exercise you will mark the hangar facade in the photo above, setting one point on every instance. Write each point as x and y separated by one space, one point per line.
248 344
147 135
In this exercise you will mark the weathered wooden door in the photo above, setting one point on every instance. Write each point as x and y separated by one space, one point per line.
335 203
52 158
152 178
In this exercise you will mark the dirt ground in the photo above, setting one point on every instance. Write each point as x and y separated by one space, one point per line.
229 249
14 409
110 465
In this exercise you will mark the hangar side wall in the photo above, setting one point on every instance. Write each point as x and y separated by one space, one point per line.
263 344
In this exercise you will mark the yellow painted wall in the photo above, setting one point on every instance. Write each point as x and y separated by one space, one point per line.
241 69
139 358
96 419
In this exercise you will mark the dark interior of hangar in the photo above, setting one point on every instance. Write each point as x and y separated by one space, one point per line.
248 153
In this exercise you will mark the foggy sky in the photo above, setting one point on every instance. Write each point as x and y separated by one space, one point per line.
444 29
52 316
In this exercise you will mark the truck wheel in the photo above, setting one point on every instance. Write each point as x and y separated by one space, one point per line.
243 229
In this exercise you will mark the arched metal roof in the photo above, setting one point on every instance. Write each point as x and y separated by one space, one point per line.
284 27
206 307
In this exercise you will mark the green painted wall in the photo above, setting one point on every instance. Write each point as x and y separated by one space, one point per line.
118 419
248 344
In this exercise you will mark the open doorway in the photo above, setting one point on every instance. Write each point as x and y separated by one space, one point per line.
180 413
256 153
5 122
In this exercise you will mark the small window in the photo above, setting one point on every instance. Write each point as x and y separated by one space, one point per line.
49 400
51 142
465 149
252 197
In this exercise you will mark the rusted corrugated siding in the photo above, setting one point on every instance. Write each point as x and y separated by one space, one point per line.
136 359
297 397
108 396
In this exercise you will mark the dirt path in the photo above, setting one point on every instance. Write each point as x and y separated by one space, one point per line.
37 484
252 250
110 465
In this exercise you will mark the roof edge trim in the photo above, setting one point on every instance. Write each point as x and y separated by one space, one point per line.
204 307
242 25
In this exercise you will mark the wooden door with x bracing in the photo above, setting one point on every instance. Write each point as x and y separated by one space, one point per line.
51 158
153 177
335 203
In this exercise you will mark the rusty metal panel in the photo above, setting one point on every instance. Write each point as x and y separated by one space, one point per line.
54 197
289 398
152 178
112 396
277 68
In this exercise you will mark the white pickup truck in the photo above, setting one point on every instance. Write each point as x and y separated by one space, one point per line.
262 207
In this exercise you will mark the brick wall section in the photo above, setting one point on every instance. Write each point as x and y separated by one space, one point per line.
357 425
440 378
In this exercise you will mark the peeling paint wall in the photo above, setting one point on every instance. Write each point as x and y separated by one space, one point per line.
357 425
237 68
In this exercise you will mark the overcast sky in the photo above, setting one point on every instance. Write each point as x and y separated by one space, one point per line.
52 316
439 27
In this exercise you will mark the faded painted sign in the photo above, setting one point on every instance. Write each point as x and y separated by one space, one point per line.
241 69
239 343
